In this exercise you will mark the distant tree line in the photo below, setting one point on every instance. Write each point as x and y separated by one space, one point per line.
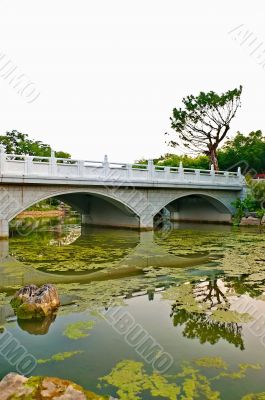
15 142
19 143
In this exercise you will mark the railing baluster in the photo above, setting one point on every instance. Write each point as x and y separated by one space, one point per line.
28 164
212 172
80 167
106 166
167 173
53 164
150 169
181 171
129 171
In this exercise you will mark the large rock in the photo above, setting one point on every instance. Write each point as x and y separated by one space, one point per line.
33 302
13 384
249 221
15 387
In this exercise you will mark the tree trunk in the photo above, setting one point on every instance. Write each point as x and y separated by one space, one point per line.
214 160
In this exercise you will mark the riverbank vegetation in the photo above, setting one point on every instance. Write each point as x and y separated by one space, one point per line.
252 203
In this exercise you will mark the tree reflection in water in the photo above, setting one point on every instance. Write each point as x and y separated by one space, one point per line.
201 325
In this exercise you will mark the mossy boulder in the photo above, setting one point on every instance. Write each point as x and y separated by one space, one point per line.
33 302
17 387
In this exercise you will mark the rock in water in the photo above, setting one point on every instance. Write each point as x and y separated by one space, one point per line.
26 293
33 302
47 294
15 386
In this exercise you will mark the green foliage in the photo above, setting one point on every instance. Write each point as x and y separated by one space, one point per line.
249 204
46 205
258 191
205 120
173 160
247 151
19 143
254 202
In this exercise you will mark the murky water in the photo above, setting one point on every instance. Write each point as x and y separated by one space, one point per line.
194 293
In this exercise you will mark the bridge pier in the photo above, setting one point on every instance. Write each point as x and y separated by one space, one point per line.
119 220
4 229
4 249
146 223
110 220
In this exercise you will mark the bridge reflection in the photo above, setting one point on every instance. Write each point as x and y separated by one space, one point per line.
146 253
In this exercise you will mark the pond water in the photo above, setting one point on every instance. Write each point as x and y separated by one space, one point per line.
196 293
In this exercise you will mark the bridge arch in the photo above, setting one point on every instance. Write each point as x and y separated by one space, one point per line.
121 205
97 207
197 207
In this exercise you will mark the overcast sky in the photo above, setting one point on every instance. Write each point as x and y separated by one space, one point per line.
110 72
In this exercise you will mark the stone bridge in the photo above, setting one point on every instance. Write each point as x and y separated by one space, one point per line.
116 194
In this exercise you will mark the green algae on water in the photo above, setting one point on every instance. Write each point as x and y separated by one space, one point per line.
254 396
211 362
230 316
78 330
59 356
131 380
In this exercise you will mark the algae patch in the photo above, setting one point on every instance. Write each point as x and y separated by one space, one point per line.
78 330
131 380
59 356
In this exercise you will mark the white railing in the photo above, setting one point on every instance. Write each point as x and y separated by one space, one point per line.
51 167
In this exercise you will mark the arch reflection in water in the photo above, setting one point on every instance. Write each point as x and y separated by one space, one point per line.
112 254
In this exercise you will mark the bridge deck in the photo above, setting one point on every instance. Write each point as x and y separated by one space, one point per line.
16 169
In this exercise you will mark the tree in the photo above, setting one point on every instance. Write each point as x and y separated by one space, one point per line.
205 121
19 143
245 150
173 160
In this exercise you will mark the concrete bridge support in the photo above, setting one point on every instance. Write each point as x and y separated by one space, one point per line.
4 229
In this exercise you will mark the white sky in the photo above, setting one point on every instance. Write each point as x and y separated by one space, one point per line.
110 72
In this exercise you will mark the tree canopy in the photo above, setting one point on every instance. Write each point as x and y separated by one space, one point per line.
16 142
245 151
204 121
